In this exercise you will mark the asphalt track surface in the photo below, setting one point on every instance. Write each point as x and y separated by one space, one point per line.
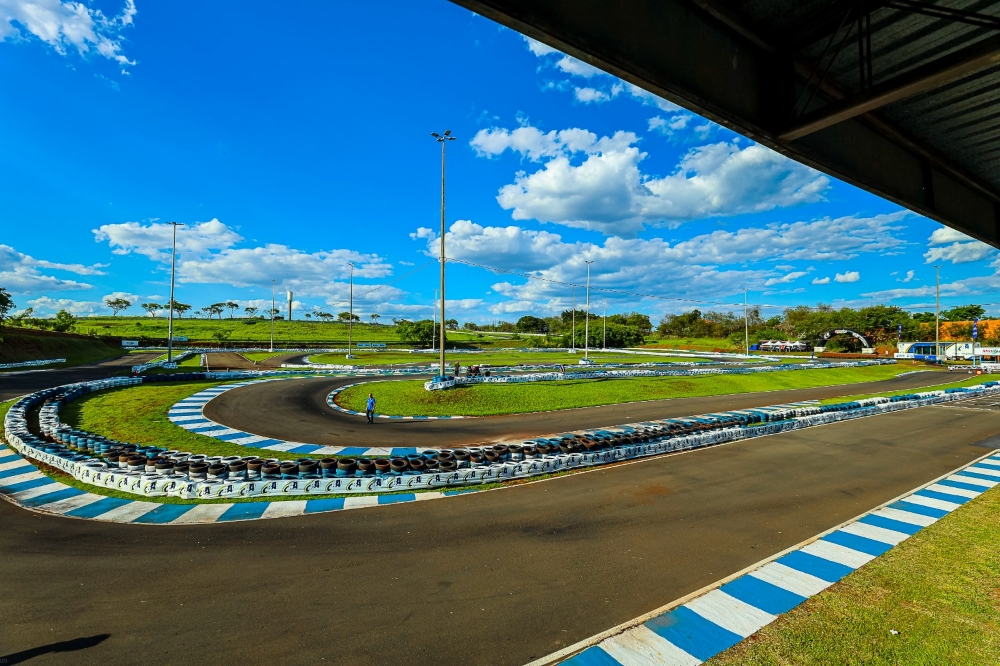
498 577
296 410
16 384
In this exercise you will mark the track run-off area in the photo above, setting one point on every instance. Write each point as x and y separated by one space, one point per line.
504 576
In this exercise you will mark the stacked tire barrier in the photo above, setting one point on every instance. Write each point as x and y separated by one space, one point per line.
31 364
154 471
437 385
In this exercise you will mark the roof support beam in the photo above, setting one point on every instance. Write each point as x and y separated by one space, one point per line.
920 79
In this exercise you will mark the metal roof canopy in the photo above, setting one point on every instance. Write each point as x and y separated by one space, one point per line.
898 97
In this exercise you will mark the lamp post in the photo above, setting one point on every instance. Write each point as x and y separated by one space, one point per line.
170 306
350 312
434 315
586 324
605 344
443 139
272 314
746 326
937 313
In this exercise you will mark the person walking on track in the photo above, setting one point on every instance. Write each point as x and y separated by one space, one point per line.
370 408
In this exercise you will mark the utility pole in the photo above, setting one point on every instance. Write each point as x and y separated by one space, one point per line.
937 314
434 321
586 325
170 306
443 139
350 313
272 313
605 344
746 325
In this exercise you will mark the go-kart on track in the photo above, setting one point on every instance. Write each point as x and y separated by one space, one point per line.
497 577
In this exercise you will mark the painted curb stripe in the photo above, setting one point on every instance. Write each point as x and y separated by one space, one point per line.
718 619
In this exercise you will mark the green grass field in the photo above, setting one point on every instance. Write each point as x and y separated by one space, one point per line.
409 398
19 345
490 358
698 344
138 415
971 381
940 589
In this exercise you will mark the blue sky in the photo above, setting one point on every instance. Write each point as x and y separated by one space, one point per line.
288 153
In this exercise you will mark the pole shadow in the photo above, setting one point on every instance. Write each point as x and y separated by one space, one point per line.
62 646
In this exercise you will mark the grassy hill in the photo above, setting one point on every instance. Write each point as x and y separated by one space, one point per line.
25 345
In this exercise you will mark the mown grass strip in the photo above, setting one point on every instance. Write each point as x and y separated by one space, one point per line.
363 358
408 398
940 590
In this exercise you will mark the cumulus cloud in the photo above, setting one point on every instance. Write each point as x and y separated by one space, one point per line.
154 240
45 305
68 25
784 279
20 274
207 256
956 247
607 192
825 280
847 276
908 278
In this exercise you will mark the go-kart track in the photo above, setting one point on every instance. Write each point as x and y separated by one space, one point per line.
499 577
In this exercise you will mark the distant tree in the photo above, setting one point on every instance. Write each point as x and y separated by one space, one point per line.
374 318
151 308
221 336
964 313
529 324
274 313
347 316
451 324
179 308
6 305
118 305
325 316
231 306
63 322
923 317
308 316
22 318
470 326
415 332
250 311
215 309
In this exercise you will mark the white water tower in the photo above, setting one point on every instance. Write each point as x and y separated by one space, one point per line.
289 306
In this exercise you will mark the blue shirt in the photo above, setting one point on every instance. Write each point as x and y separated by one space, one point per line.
371 404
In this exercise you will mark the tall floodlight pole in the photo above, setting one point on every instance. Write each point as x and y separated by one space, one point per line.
937 313
746 326
605 343
434 321
272 314
586 325
350 312
170 306
443 139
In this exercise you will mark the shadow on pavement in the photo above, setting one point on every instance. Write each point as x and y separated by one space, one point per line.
63 646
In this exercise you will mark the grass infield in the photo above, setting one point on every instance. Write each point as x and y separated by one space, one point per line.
363 358
939 589
409 398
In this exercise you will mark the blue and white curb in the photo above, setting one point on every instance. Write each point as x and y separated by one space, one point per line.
713 622
24 485
331 401
189 414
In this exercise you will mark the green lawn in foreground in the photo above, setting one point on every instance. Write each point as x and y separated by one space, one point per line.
491 358
940 589
409 398
138 415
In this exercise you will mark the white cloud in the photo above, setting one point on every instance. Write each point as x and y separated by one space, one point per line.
538 48
65 25
847 276
962 251
154 240
944 235
607 191
825 280
908 278
19 273
667 126
45 305
784 279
